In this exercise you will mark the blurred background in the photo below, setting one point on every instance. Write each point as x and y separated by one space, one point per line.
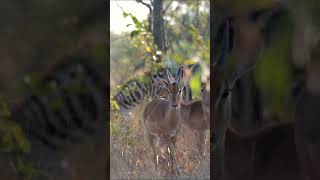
36 38
36 35
280 39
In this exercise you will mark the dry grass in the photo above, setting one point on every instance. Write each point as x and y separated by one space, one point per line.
131 154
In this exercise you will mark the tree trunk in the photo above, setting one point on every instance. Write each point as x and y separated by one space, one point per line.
158 32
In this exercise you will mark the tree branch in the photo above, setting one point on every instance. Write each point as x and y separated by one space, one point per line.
150 13
165 9
146 4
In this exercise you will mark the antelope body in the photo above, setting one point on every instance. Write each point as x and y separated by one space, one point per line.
162 120
196 116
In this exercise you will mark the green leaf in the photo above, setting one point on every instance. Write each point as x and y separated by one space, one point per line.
12 138
26 169
135 20
125 14
134 33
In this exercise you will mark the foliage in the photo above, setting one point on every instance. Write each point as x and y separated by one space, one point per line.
188 28
187 37
13 140
12 137
143 39
114 107
25 169
272 73
187 32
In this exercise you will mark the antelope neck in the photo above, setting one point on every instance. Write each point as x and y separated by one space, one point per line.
173 113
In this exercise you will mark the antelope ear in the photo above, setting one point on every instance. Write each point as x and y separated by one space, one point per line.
170 77
160 81
163 82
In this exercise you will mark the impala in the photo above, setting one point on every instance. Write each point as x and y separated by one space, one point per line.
162 119
196 116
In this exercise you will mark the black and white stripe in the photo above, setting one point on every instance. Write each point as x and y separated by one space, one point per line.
71 106
135 91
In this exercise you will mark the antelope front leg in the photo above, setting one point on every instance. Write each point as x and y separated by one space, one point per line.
174 164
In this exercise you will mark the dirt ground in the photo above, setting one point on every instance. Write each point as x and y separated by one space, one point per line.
131 154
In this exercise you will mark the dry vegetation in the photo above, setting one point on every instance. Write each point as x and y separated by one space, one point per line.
131 154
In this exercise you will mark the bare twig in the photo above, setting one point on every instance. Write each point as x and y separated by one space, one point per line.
149 6
165 9
146 4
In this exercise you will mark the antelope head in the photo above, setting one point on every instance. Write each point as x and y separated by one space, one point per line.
174 89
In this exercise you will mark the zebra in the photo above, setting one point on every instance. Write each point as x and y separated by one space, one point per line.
135 91
69 109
